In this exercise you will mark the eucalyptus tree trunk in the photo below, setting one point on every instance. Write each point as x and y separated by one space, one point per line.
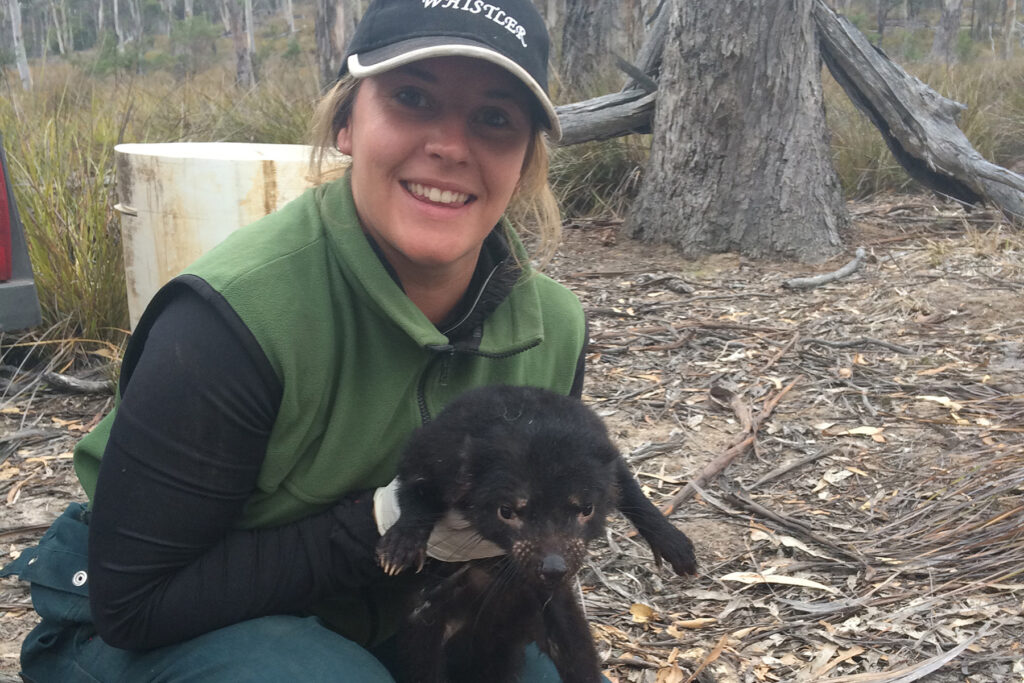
335 22
58 29
244 76
289 15
250 29
225 16
1009 25
740 158
944 43
587 59
187 11
552 11
882 16
136 10
19 44
99 20
118 30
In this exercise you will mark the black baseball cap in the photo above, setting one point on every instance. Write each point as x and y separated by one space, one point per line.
509 33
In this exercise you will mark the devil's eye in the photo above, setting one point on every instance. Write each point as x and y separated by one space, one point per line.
506 512
586 510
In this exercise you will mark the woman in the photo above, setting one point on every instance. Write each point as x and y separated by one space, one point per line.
239 488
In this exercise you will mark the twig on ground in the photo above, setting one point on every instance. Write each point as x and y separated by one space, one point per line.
746 440
860 341
799 462
818 280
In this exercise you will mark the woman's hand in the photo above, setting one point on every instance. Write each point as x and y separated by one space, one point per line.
453 538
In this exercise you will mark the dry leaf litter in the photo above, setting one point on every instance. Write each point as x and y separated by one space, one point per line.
848 459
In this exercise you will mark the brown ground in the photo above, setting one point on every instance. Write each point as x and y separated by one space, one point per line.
893 549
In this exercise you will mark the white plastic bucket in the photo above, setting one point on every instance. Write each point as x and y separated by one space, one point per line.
179 199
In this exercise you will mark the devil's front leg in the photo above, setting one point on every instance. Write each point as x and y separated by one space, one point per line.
404 545
421 638
567 640
665 540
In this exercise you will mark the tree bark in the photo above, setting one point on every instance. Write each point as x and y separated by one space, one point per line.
586 48
244 76
18 37
117 26
329 51
917 124
187 10
1009 28
133 6
289 15
740 159
944 43
58 29
250 30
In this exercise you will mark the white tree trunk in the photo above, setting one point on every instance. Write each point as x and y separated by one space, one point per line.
133 5
188 9
244 75
225 16
335 21
99 20
250 29
289 15
69 35
117 26
1009 25
58 29
19 45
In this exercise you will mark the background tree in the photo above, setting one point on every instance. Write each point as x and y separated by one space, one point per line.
335 21
946 32
586 54
14 10
244 74
740 159
1009 28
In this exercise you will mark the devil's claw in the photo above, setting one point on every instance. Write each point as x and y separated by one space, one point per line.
400 548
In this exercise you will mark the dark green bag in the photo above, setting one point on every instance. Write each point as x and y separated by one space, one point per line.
57 570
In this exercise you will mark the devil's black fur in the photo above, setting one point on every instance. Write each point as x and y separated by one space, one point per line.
536 474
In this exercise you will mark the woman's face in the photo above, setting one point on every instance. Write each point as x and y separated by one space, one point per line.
437 147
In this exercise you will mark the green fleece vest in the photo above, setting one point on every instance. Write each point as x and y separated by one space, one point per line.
359 364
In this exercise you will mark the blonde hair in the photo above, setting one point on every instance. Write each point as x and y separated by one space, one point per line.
533 208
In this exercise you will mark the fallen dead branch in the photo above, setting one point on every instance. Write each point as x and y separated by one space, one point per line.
746 440
823 279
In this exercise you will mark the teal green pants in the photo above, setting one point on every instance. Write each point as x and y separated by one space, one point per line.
64 647
279 649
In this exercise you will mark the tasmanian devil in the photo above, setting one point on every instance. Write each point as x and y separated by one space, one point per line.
536 474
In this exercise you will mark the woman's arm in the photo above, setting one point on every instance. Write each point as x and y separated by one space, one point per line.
166 562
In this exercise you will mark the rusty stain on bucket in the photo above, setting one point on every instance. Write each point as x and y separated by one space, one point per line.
177 200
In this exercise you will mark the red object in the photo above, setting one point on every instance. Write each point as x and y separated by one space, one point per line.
5 229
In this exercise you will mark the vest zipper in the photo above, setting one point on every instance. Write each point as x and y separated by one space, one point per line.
444 353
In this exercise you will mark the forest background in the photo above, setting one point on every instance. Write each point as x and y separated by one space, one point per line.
100 72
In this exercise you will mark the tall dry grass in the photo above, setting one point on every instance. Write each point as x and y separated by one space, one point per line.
992 90
60 142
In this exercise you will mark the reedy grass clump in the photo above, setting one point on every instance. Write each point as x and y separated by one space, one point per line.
60 151
60 142
599 178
